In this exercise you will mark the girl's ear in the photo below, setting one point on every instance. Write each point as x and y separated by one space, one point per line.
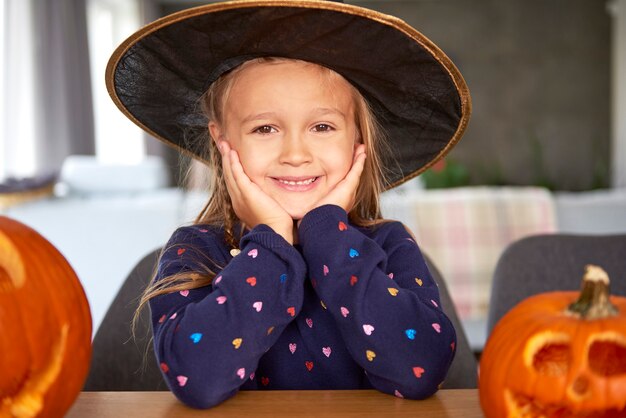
215 131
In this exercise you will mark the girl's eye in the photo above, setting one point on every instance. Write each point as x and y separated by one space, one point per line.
264 130
322 127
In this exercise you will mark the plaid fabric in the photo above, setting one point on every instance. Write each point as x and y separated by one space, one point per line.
464 231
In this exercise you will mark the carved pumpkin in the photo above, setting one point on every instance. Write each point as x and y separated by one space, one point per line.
554 355
45 326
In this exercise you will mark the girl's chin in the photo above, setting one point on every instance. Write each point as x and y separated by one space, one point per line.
296 212
296 215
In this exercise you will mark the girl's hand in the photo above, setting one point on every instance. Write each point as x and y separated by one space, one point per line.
344 193
251 204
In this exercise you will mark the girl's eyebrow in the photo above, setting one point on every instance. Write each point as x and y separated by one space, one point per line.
322 111
319 111
258 116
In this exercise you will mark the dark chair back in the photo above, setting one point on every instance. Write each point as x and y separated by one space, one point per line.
121 362
544 263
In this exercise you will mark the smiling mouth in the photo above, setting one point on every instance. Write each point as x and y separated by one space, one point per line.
304 182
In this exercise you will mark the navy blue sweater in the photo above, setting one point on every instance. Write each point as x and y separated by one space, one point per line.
347 308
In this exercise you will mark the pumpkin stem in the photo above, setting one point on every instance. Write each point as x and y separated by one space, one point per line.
593 302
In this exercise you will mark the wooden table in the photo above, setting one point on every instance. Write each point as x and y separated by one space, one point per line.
451 403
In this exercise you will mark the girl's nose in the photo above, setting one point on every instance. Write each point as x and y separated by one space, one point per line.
294 150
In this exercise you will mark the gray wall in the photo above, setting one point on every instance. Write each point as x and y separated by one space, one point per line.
539 74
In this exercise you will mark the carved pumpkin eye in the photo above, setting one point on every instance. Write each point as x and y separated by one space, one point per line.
607 358
552 359
548 353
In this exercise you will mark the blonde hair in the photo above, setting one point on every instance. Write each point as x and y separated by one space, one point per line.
219 210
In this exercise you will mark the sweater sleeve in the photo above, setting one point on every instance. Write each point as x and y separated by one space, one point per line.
383 300
208 340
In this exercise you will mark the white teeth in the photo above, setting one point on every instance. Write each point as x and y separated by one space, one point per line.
297 183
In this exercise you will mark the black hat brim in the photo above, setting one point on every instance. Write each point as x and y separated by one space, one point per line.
419 97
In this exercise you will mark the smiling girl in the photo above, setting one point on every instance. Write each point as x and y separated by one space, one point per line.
290 278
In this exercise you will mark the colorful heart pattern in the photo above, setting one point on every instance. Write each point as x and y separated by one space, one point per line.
327 351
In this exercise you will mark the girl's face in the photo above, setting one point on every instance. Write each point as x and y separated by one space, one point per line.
293 126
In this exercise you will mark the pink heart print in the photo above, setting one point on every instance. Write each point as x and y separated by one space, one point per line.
221 299
344 311
184 293
241 373
258 306
253 253
368 329
326 270
437 327
182 380
326 351
417 371
292 347
309 322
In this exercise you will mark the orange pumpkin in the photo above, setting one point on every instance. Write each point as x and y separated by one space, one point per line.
45 326
554 355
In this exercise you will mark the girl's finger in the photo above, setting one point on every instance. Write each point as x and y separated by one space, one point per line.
354 175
